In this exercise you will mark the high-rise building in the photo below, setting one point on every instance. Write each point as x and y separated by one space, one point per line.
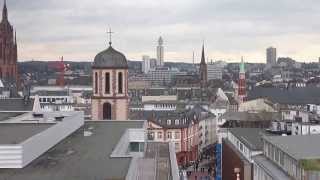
271 56
110 86
160 52
203 69
8 49
146 65
215 70
153 63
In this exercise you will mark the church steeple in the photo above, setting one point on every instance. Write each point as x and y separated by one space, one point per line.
203 60
5 11
15 37
203 69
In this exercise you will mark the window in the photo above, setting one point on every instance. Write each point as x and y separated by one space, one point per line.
159 135
177 146
169 135
107 83
169 122
120 83
177 135
276 155
281 158
96 83
176 121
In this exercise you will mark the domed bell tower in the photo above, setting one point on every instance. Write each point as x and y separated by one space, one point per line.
110 85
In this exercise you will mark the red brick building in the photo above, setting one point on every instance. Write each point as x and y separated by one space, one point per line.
8 49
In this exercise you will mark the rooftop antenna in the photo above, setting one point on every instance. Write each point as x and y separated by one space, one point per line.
110 36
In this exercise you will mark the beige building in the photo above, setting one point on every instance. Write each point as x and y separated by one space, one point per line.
110 86
257 105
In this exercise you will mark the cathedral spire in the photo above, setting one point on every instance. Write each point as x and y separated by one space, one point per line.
203 60
5 11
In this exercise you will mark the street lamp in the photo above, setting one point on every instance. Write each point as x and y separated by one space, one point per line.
237 172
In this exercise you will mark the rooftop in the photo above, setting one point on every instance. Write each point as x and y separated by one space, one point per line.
246 116
16 104
299 147
6 115
306 95
110 58
15 133
81 156
51 93
275 172
251 137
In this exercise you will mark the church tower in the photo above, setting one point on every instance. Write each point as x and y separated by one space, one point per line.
8 49
242 82
110 86
203 69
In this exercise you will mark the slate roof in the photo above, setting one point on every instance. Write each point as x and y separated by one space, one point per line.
299 147
110 58
185 117
246 116
51 93
251 137
16 104
80 158
306 95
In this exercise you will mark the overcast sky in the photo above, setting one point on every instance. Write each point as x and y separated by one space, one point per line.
76 29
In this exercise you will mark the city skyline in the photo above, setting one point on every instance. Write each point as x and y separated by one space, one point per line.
231 29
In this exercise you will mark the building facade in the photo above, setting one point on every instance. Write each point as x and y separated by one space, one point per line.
146 64
8 49
214 71
110 86
271 56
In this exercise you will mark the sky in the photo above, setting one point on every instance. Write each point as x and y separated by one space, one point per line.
76 29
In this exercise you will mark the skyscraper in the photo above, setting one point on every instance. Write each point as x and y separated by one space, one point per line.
271 56
8 49
160 52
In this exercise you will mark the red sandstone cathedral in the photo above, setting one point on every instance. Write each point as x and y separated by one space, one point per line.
8 49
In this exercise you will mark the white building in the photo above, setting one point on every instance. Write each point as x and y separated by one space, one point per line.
214 70
162 75
146 66
299 128
52 100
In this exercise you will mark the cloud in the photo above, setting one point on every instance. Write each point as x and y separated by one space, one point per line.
231 28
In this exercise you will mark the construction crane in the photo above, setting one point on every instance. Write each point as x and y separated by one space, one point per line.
61 67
